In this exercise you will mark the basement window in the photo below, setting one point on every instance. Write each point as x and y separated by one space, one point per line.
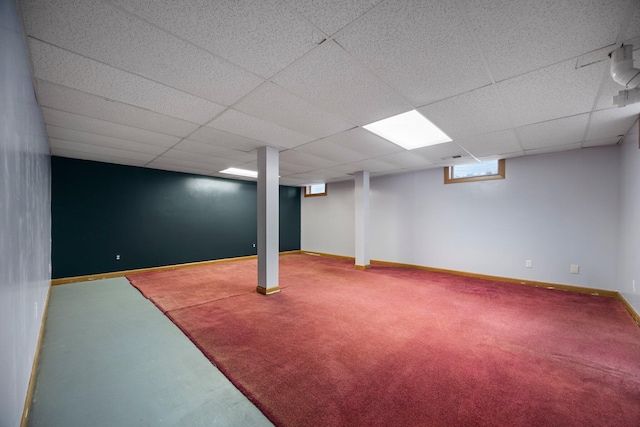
479 171
315 190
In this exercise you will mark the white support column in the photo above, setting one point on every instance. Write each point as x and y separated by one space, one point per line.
268 217
363 260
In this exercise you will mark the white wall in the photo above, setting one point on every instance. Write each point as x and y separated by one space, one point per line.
25 218
554 209
629 245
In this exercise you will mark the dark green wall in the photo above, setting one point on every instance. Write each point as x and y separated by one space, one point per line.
153 218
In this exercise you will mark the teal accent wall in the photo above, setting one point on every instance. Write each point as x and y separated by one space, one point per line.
153 218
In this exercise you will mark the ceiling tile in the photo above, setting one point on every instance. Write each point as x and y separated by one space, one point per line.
633 29
219 138
370 165
553 132
239 123
61 152
59 66
421 48
495 143
74 101
211 163
554 149
518 36
214 151
332 79
557 91
331 151
273 103
362 141
405 160
202 167
101 127
472 113
441 153
613 122
99 150
96 29
305 160
600 142
319 176
167 166
330 16
262 36
105 141
291 168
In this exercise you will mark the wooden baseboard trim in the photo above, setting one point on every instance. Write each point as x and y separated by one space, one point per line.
268 291
634 314
111 275
349 258
362 267
34 366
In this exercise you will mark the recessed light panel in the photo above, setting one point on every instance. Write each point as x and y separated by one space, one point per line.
409 130
241 172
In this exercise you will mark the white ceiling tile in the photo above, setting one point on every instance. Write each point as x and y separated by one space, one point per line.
612 122
101 127
472 113
405 160
600 142
59 66
331 151
74 101
319 176
518 36
101 140
421 48
61 152
441 153
219 138
100 150
273 103
562 131
214 151
262 36
212 163
305 160
554 149
164 165
330 16
239 123
362 141
371 165
332 79
495 143
96 29
200 165
292 168
633 29
557 91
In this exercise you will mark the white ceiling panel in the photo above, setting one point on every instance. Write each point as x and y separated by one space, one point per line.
101 127
331 151
262 36
405 160
85 104
100 150
181 167
201 165
518 36
321 175
214 151
287 169
239 123
440 153
600 142
554 132
96 157
557 91
59 66
472 113
104 141
219 138
633 30
305 160
274 103
332 79
613 122
362 141
495 143
96 29
212 163
554 149
330 16
370 165
422 48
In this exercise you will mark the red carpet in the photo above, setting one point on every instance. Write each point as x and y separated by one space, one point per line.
402 347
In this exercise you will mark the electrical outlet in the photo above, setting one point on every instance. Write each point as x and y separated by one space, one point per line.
527 263
118 257
575 269
254 245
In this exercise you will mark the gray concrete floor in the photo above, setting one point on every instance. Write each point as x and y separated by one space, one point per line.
109 357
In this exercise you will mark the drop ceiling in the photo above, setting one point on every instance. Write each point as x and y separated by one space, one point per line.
196 86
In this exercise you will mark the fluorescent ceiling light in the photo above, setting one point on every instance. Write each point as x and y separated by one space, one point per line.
409 130
241 172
